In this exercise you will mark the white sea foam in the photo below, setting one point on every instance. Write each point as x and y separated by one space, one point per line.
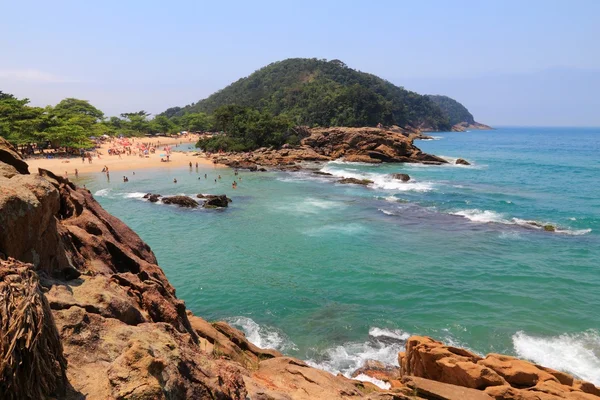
262 336
381 181
386 212
383 345
103 192
487 216
390 333
483 216
578 353
375 381
134 195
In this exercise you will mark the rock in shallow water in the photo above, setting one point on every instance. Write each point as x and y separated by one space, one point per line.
355 181
181 201
461 161
401 177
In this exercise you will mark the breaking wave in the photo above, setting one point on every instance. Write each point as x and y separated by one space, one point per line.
487 216
263 336
380 181
576 353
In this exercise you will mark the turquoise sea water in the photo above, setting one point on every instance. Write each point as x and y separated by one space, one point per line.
336 274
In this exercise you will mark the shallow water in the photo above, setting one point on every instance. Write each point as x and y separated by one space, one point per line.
336 274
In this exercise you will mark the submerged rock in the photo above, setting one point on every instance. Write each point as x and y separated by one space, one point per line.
461 161
322 173
401 177
355 181
181 201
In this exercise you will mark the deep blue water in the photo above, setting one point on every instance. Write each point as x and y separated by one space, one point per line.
336 274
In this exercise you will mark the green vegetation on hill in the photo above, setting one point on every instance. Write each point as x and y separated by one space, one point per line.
324 93
452 109
248 129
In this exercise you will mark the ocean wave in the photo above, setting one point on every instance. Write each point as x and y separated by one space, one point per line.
263 336
134 195
386 212
103 192
576 353
380 181
377 382
382 345
488 216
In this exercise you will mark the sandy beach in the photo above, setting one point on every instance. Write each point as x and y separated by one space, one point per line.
66 166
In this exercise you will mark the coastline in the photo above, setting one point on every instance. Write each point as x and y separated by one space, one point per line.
66 166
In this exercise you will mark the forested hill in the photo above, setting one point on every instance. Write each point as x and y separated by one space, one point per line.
451 108
324 93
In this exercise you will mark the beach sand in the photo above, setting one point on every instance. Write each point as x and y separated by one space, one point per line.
62 166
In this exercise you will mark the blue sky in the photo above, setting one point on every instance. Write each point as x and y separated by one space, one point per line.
510 62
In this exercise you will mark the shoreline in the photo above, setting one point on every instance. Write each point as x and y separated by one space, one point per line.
65 166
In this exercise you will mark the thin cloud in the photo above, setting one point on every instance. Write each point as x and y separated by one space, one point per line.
30 75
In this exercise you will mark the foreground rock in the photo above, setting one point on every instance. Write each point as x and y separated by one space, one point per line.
499 376
369 145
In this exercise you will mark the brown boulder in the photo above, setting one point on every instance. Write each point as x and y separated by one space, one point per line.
461 161
427 358
10 156
362 158
517 373
430 389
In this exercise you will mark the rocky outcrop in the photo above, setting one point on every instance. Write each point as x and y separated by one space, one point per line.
181 201
369 145
498 376
475 126
461 161
214 201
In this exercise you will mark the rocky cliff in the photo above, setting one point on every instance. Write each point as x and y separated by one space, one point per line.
86 313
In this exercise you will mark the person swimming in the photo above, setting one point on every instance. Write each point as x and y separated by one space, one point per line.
174 180
219 176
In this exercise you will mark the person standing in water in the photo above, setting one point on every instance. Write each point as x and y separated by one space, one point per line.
76 173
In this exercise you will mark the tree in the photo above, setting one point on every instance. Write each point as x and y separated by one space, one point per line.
197 122
70 107
162 124
19 123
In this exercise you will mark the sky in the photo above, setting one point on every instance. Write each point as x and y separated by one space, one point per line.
509 62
